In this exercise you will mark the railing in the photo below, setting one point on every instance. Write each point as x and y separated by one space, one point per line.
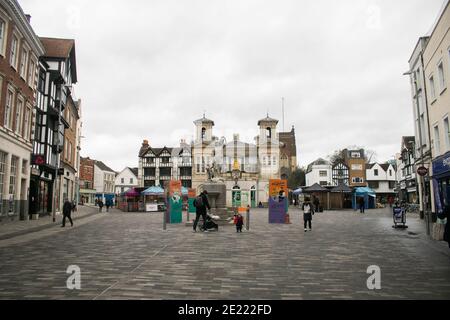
149 177
185 164
149 165
165 164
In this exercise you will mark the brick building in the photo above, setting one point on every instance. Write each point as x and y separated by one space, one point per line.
87 190
20 49
288 153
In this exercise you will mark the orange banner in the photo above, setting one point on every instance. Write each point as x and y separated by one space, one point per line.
277 185
174 188
192 193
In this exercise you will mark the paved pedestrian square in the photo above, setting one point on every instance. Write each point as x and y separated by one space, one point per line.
129 256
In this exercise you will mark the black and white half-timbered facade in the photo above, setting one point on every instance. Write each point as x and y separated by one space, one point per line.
341 174
159 165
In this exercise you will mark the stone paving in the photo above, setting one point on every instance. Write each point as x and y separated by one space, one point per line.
129 256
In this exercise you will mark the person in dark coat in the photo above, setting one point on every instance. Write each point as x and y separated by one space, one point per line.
67 211
446 215
100 205
201 204
362 204
108 205
316 204
308 212
239 222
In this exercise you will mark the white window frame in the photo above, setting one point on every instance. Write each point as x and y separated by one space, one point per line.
432 88
441 76
19 112
24 58
446 121
27 122
437 140
31 75
3 35
16 55
9 107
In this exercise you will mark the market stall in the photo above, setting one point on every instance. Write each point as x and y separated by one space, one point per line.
154 199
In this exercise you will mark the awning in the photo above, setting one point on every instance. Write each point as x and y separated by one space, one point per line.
298 191
315 188
153 191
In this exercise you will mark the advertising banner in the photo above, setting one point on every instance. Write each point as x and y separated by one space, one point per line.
174 201
277 211
149 207
277 185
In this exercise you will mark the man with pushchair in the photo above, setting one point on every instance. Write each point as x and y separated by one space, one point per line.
201 205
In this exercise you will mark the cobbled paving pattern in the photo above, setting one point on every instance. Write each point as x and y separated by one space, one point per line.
129 256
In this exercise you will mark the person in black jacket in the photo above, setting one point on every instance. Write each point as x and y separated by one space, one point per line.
308 212
67 211
446 215
201 203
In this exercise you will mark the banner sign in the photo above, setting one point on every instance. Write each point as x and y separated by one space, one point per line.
277 211
150 207
174 201
277 185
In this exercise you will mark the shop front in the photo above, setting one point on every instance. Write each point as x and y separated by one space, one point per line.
441 183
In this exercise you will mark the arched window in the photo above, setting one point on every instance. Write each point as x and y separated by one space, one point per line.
203 133
268 132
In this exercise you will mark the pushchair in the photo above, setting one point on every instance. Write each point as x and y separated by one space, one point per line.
399 217
210 225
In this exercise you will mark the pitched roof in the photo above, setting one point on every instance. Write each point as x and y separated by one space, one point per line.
267 119
135 171
315 188
103 166
57 48
204 120
385 166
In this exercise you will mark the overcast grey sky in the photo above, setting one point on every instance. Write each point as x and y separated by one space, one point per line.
148 69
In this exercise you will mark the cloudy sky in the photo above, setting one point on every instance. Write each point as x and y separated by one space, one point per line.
148 69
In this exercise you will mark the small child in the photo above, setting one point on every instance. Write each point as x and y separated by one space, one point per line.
239 221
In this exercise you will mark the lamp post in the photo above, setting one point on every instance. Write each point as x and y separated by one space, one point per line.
424 202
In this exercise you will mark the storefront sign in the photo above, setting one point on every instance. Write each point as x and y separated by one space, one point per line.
149 207
422 171
442 165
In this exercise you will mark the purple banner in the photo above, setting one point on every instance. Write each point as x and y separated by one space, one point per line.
277 211
437 197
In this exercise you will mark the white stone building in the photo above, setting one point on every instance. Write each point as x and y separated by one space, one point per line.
382 179
104 178
126 180
320 172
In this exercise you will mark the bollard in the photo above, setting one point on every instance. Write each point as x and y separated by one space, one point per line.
248 219
164 220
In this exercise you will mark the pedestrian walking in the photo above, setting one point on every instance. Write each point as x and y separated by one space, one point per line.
201 204
316 204
362 204
67 211
308 212
100 205
239 223
108 205
446 215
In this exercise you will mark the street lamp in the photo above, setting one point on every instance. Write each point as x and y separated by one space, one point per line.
424 202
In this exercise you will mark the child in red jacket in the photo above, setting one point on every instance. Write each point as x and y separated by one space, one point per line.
239 222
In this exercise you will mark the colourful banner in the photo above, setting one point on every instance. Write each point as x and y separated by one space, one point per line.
174 201
277 185
277 211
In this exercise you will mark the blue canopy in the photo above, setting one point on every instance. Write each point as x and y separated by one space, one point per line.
153 191
365 191
298 191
